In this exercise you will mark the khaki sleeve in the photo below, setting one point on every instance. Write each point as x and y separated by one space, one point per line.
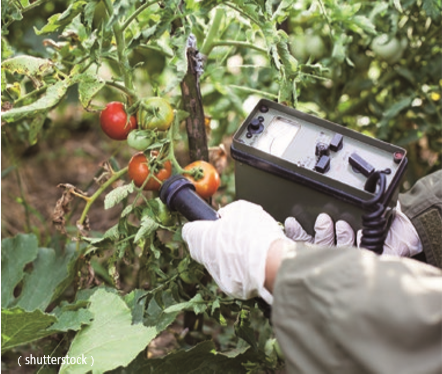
345 310
423 205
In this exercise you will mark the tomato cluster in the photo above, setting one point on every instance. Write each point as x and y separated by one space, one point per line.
154 115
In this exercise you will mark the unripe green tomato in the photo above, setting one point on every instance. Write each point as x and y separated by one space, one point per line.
140 139
314 46
297 47
155 113
388 49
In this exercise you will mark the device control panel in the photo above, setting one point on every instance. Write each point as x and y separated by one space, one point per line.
323 147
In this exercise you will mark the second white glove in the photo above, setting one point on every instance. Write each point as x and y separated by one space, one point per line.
324 232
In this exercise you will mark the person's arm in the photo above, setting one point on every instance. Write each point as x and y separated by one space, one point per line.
423 206
350 311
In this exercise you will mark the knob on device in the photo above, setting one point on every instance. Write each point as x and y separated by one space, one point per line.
255 126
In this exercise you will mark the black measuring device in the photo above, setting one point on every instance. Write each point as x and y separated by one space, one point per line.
295 164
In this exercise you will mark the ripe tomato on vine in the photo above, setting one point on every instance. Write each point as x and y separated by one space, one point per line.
140 167
205 179
113 121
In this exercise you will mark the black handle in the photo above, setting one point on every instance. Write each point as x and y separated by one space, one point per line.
178 193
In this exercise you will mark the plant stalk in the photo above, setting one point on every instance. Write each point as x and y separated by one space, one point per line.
213 31
94 197
136 13
121 48
235 43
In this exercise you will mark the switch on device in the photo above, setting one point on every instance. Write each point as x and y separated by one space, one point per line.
360 164
323 165
336 142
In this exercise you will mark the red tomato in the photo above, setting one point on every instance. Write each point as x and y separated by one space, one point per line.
208 184
139 171
113 121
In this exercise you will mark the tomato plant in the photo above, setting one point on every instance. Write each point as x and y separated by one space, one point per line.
155 113
142 168
114 122
205 178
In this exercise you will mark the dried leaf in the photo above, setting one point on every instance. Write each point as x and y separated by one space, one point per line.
85 227
62 206
218 158
107 173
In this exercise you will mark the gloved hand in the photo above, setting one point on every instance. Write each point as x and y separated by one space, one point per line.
324 232
402 239
234 248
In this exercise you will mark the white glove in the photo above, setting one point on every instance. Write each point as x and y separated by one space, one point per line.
234 248
402 239
324 232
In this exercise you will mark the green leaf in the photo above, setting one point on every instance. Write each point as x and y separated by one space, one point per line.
59 21
36 126
117 195
27 65
398 6
50 270
112 233
147 227
433 9
136 301
179 61
243 329
16 253
110 331
196 304
155 314
50 99
397 107
203 358
127 210
89 86
72 320
10 12
4 80
21 327
365 24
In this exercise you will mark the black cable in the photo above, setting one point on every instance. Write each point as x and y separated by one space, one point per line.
374 223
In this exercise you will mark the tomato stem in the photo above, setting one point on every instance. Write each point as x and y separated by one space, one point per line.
126 90
33 5
234 43
213 31
30 94
121 48
197 173
91 200
171 135
136 13
245 15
